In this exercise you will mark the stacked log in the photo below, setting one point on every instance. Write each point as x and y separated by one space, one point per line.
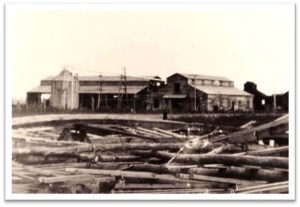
123 159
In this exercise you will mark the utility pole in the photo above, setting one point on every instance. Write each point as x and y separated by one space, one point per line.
123 88
100 91
134 97
274 103
195 95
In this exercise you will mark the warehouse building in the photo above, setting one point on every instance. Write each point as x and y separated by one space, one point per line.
264 103
68 91
199 93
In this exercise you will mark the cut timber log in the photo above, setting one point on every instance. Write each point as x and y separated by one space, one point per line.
276 162
62 179
139 186
53 151
138 146
266 152
99 129
152 132
242 173
35 129
108 158
130 174
251 135
248 124
154 168
169 133
273 190
175 191
218 179
261 188
22 141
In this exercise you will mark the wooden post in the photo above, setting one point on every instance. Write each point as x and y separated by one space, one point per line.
134 96
98 101
92 102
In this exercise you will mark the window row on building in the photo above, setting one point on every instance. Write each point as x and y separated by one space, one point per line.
180 93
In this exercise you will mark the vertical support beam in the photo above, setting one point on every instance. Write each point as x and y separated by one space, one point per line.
106 100
98 101
274 103
134 96
72 92
92 102
170 106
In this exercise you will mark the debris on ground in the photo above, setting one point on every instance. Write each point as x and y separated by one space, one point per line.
103 158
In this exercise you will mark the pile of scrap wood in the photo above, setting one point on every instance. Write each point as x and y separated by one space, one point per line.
91 158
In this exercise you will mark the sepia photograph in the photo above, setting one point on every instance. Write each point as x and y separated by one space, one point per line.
155 101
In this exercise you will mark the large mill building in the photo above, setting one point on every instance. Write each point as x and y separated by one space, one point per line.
193 92
181 93
68 91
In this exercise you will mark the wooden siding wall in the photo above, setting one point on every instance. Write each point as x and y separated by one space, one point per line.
65 94
224 102
112 83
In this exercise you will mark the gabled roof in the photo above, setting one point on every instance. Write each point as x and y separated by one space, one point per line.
203 77
116 78
64 75
111 78
41 89
221 90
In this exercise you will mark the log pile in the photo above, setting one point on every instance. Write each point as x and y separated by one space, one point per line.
121 159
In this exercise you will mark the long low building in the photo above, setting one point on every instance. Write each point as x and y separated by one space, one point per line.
192 92
181 93
68 91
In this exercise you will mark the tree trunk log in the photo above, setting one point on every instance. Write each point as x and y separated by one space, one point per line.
276 162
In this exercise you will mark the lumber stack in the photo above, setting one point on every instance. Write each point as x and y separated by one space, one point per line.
122 159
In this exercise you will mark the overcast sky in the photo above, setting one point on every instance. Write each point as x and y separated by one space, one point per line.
241 42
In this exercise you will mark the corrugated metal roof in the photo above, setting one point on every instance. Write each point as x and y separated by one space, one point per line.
41 89
204 77
221 90
67 75
110 89
116 78
175 96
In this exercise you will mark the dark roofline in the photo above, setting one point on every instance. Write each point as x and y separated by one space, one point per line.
201 77
111 78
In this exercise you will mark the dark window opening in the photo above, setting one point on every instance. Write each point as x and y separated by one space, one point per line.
156 103
248 104
232 105
216 108
176 87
